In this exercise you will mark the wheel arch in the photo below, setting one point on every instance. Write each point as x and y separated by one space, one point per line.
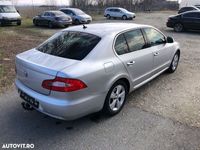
123 78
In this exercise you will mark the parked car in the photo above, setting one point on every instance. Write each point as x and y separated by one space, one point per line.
52 19
185 9
198 6
8 14
82 70
117 12
185 21
77 15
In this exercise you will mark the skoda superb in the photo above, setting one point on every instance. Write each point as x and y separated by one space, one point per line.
86 69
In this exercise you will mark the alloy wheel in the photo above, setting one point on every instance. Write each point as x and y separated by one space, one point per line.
117 98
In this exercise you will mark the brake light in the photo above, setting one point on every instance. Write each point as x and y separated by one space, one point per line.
63 84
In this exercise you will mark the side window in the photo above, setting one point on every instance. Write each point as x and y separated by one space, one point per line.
65 11
190 15
121 46
154 36
117 10
135 40
52 14
46 14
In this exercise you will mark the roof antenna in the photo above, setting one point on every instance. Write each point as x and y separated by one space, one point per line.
84 27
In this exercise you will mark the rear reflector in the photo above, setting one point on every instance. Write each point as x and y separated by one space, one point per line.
63 84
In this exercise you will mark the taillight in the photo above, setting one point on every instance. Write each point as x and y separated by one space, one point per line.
63 84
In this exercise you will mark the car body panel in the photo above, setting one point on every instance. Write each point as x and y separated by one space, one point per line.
189 22
99 70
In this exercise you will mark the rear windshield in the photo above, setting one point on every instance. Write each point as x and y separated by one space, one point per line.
72 45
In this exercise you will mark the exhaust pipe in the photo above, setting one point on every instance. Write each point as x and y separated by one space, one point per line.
27 106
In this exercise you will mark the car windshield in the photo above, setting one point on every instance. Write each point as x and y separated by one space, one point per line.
7 9
70 44
79 12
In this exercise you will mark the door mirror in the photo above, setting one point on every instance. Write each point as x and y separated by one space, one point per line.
170 40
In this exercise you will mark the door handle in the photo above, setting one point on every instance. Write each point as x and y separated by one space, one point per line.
156 54
130 63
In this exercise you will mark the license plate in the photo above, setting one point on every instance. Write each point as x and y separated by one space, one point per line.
29 99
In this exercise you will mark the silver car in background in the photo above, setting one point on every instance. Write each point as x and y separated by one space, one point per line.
117 12
77 15
86 69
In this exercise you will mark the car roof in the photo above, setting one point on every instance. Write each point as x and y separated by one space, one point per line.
102 29
74 9
192 11
53 11
114 8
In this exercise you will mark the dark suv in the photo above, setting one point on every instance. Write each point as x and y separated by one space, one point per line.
184 21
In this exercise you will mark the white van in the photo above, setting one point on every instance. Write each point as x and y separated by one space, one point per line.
8 13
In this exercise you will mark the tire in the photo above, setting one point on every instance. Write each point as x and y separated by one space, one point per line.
2 23
50 25
178 27
19 23
174 63
115 98
76 22
35 22
108 17
124 17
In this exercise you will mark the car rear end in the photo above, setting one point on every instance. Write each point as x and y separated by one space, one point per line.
44 81
62 20
106 12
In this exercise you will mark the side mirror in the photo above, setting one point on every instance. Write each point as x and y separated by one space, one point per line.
170 40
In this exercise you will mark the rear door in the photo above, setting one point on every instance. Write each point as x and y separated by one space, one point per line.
160 49
138 60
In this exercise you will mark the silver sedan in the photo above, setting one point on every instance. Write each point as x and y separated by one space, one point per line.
87 69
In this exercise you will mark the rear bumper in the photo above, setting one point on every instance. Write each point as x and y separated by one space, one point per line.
62 23
62 108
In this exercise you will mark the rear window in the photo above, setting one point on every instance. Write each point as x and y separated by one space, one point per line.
72 45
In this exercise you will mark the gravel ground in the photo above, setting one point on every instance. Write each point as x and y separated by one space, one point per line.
163 114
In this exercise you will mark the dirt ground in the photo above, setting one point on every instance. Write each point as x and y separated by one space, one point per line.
175 96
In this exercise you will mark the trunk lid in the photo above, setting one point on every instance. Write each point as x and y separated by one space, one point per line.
33 67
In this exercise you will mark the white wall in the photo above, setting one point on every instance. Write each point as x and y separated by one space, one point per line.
184 3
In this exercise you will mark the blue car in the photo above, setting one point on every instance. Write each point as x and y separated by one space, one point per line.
77 15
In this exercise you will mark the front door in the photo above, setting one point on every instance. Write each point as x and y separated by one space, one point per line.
137 59
160 49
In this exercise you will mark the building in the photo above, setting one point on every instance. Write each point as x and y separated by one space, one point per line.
184 3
